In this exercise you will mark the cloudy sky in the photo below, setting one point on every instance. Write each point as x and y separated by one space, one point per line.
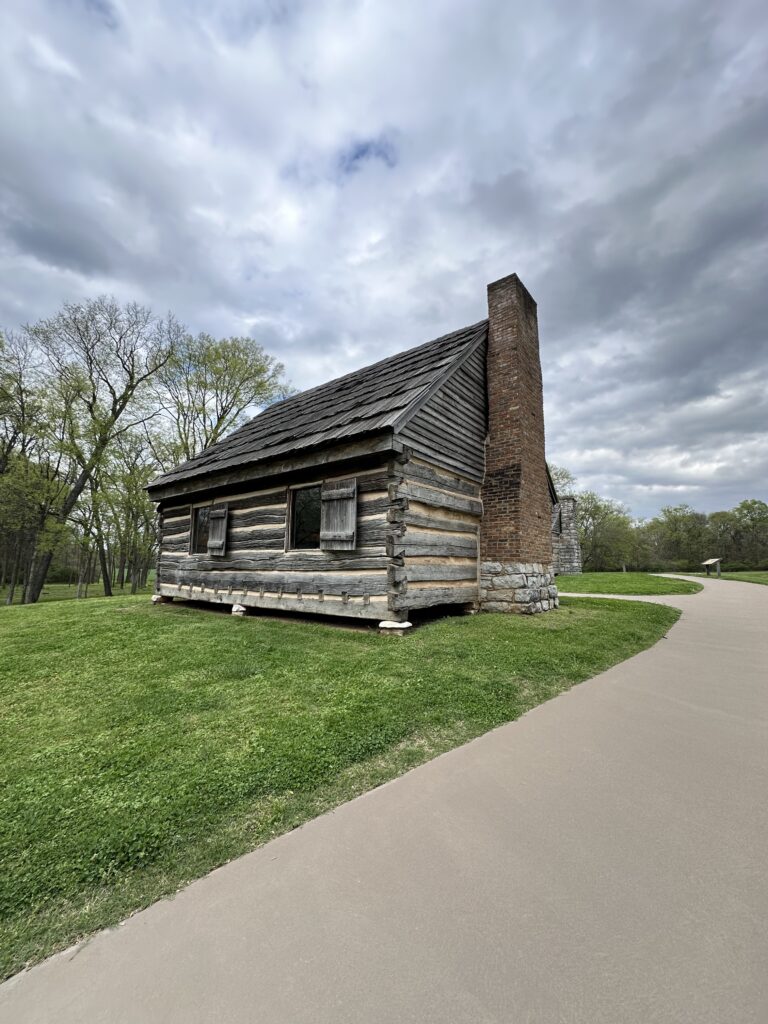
341 178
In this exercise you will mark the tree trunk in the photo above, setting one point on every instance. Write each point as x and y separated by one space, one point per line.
134 572
41 561
37 570
89 573
14 574
102 553
80 577
121 568
104 567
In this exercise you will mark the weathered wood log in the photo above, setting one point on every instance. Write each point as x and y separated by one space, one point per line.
372 482
431 596
175 528
440 499
440 543
372 582
288 561
270 499
257 517
352 608
176 544
421 472
435 522
260 537
442 571
373 507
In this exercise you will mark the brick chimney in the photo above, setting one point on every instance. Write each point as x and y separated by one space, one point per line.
516 572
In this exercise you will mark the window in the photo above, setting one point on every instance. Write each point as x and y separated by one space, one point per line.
209 530
305 518
324 516
200 526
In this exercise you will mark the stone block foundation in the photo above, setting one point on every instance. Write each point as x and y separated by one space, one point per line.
522 587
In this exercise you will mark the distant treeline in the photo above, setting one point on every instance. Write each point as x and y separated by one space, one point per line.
677 539
94 402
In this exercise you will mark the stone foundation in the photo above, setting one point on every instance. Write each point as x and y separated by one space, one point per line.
522 587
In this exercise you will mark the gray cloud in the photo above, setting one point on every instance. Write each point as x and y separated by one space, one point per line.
342 180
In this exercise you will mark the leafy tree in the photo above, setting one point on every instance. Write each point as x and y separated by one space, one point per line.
605 531
564 481
723 536
101 355
681 536
751 520
207 388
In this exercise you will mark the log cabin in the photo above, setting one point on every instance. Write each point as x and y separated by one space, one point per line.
417 482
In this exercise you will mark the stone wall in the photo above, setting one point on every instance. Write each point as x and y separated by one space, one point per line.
526 587
515 539
565 538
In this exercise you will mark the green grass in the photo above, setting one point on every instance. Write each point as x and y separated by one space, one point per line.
624 583
64 592
755 576
142 746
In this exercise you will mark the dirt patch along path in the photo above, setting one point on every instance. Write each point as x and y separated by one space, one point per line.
599 861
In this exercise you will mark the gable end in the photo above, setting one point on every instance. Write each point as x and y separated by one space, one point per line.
450 427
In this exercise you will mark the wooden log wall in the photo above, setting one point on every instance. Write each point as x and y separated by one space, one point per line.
257 570
417 546
436 517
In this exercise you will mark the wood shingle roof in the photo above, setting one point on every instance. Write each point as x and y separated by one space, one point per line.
376 398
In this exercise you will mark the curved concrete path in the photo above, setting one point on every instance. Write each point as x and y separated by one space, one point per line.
601 861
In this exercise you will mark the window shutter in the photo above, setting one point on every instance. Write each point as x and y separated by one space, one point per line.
217 530
338 515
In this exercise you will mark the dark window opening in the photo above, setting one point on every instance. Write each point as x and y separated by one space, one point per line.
305 518
201 528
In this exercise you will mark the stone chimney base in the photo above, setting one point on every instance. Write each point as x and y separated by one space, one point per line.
520 587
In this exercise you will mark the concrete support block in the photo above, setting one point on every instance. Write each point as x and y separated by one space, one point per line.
391 628
239 609
161 599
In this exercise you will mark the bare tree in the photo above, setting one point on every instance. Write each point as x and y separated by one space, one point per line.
102 355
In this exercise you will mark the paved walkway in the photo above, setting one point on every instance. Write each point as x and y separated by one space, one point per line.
601 861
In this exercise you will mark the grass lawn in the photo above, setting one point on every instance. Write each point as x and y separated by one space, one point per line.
624 583
755 576
142 746
63 592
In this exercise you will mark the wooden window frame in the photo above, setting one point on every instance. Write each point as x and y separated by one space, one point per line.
290 506
194 512
328 488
